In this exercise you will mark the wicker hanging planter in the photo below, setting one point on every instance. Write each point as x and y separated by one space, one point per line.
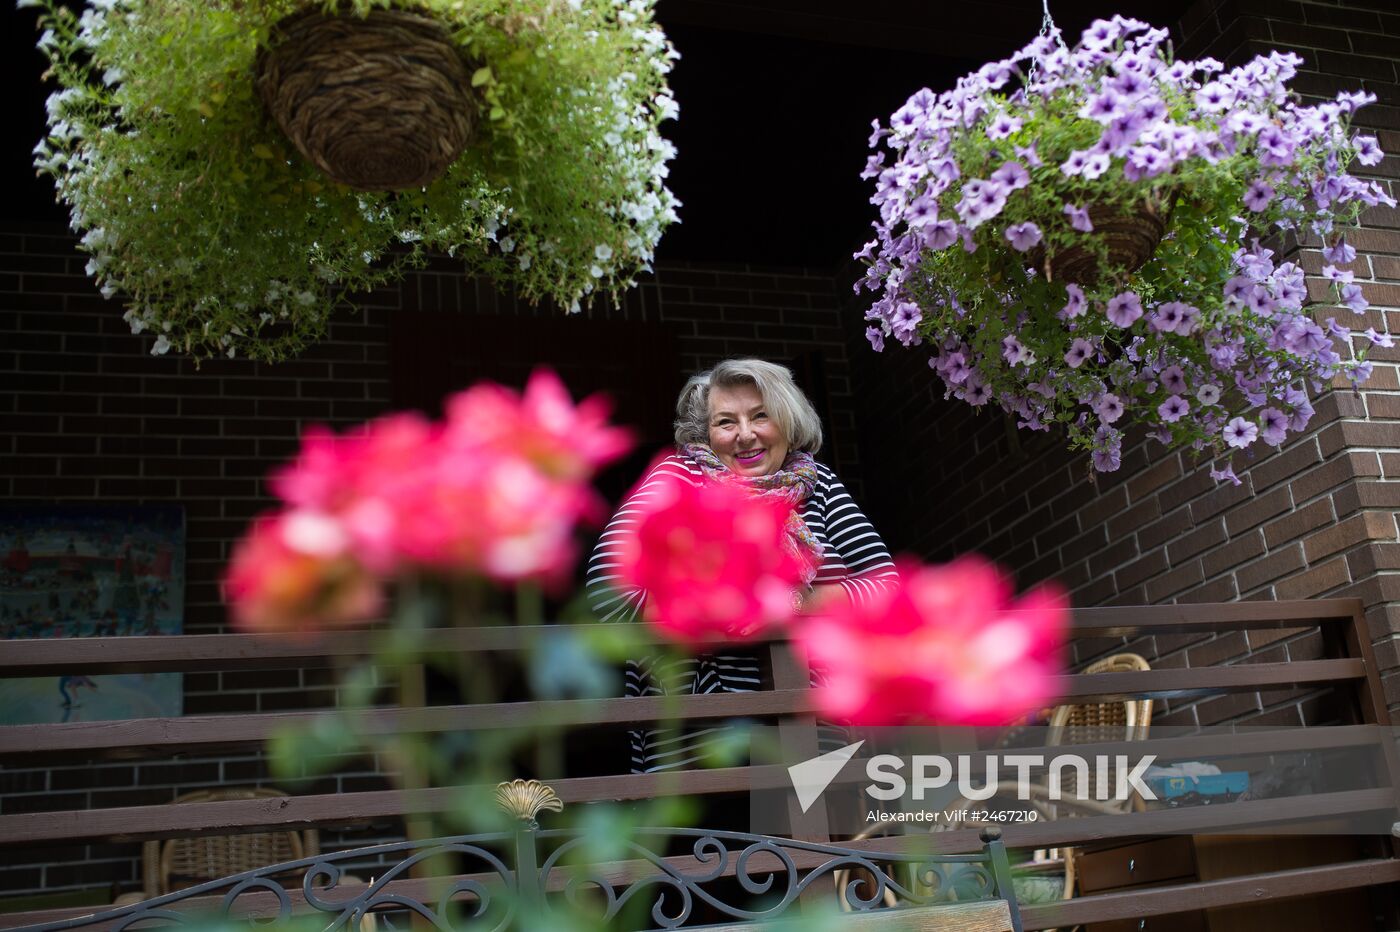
1131 235
379 104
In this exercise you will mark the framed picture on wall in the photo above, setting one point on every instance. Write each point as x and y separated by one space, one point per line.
91 571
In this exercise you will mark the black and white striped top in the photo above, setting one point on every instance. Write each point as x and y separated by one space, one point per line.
855 559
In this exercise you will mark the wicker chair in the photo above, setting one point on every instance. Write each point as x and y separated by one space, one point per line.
173 864
1079 723
177 863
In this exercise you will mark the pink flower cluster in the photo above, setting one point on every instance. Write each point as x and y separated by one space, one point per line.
494 490
950 644
713 562
945 644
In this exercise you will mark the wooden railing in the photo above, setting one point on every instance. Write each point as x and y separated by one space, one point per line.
1349 670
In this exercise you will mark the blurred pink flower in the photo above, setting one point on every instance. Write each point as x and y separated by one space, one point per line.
496 491
713 562
948 646
294 572
563 440
489 514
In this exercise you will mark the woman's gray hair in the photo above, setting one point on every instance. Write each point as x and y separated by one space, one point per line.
787 405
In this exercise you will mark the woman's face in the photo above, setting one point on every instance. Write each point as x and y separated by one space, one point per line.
742 434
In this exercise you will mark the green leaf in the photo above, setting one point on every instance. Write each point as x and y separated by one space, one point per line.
481 76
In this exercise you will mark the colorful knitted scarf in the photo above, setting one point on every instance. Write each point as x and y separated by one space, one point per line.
793 484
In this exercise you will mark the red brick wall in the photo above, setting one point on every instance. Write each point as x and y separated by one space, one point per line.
1316 519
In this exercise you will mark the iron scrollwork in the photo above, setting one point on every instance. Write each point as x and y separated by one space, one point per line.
496 897
777 884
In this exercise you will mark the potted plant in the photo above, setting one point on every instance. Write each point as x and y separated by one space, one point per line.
1075 235
232 202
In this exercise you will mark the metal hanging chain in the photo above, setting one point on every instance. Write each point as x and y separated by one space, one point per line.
1047 28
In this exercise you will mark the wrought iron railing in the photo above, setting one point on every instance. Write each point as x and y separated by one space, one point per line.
510 886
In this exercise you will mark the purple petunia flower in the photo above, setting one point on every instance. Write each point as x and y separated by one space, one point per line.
1334 274
1124 308
1002 126
1122 132
1258 196
1215 97
1079 218
981 201
1174 379
940 234
957 369
1102 107
1352 298
1100 35
1368 150
1079 351
1208 394
1274 426
1108 448
1240 433
1130 85
1145 162
1023 236
1029 154
1299 334
1012 175
1227 472
1076 305
1015 352
1223 355
905 322
1173 409
1261 302
1109 408
1358 372
1242 121
876 337
1379 339
1074 165
1166 318
1238 289
1339 253
923 210
1107 460
1095 165
1297 399
1275 146
975 393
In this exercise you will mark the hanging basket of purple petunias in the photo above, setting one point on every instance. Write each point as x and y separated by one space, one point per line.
1074 235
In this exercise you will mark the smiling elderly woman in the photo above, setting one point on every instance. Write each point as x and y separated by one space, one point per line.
748 418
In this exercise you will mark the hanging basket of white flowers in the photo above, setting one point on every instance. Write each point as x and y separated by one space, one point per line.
237 167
